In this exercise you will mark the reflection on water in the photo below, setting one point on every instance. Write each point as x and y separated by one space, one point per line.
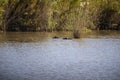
43 36
36 56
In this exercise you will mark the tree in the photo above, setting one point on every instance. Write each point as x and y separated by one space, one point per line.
49 15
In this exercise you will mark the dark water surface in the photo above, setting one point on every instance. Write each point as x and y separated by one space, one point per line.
36 56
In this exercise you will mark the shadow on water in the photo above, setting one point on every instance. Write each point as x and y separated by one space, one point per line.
44 36
26 37
29 37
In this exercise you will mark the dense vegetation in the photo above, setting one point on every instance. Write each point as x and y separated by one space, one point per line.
50 15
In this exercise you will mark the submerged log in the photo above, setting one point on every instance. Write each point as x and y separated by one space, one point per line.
55 37
66 38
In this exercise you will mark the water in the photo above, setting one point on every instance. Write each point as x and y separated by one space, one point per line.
36 56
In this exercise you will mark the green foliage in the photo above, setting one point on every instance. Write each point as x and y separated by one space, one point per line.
49 15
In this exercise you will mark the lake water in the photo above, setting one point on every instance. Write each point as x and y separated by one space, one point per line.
37 56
